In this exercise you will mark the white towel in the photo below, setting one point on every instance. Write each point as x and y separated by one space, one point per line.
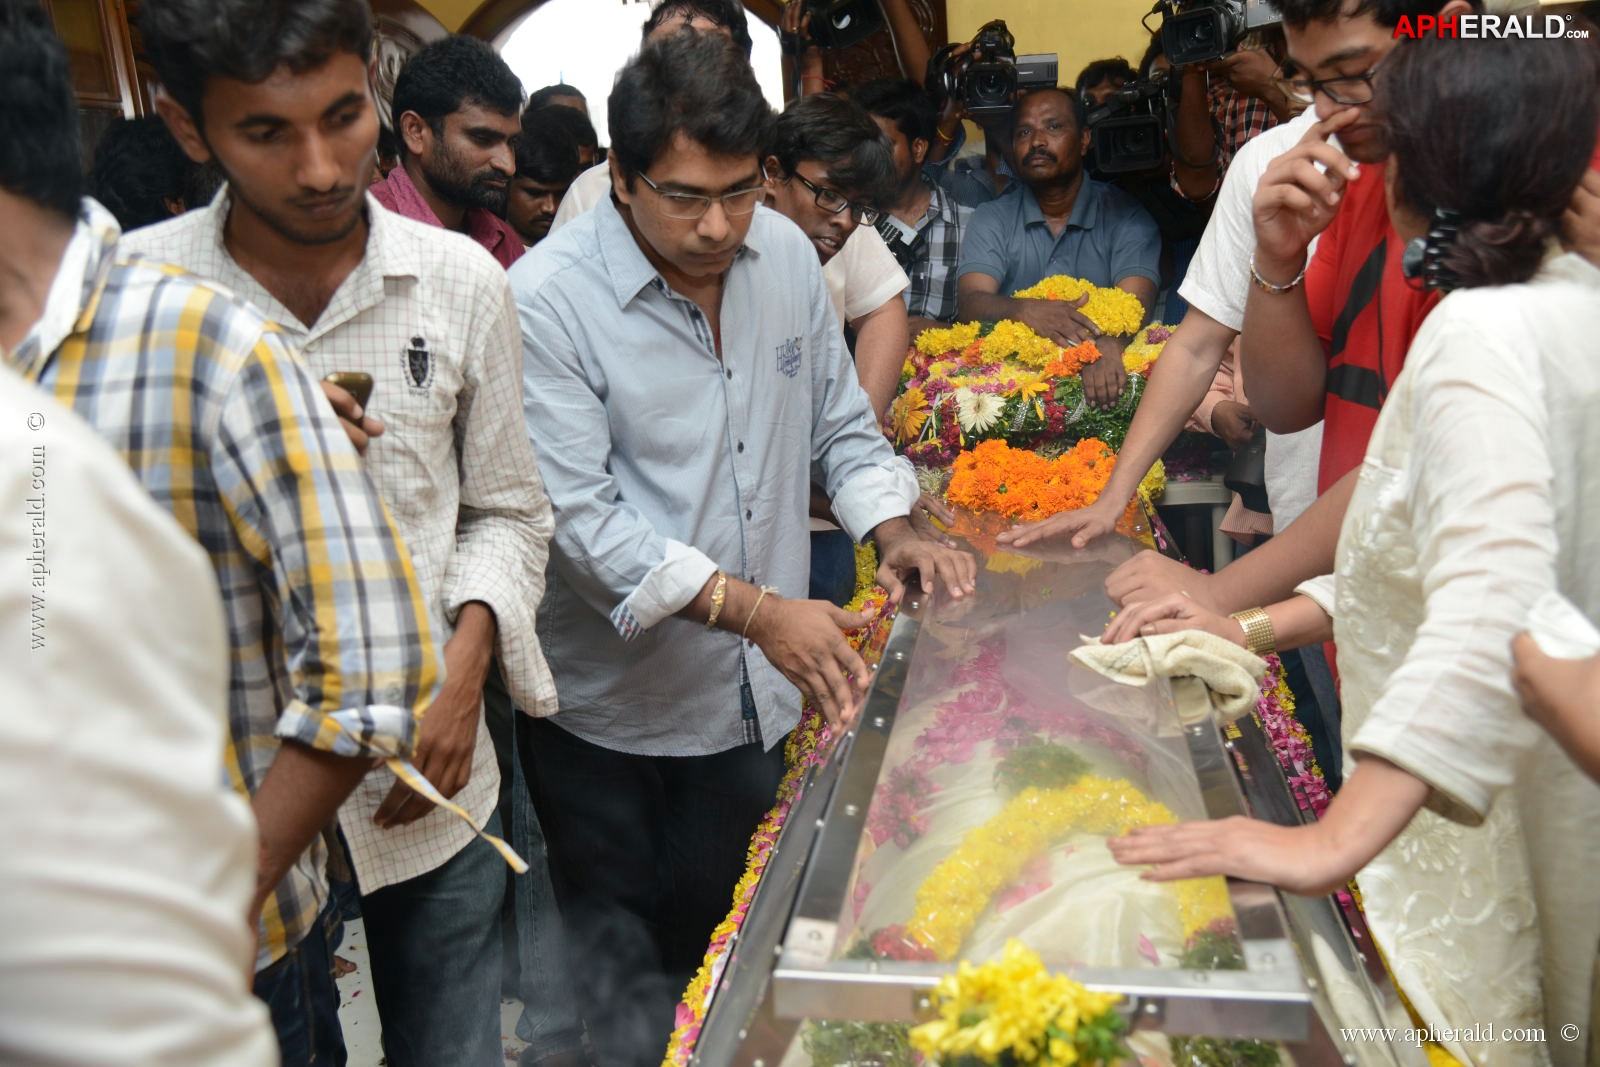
1232 675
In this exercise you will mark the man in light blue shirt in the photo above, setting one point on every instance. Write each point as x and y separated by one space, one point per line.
685 374
1059 221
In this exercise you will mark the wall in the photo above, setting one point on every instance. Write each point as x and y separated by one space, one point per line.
451 12
1081 31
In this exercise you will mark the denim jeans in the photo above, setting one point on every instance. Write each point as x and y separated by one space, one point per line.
833 566
434 943
300 994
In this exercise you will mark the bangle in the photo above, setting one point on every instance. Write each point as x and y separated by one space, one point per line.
1259 637
719 595
1271 287
745 633
946 138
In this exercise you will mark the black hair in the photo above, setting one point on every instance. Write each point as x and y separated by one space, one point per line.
191 41
836 131
547 152
904 103
1101 69
1080 110
138 168
452 73
1154 51
1298 14
575 123
689 83
1462 141
726 13
41 159
550 93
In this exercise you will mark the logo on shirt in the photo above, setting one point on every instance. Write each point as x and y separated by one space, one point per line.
789 357
418 364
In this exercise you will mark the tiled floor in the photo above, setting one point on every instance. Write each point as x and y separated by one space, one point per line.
358 1013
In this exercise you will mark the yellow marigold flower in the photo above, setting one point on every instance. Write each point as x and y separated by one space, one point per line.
1115 311
952 339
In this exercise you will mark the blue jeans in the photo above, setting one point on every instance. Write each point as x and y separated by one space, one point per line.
300 994
833 566
434 943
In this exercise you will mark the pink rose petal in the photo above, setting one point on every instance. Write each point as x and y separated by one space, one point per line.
1148 951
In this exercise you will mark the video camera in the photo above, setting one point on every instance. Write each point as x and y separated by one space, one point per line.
1198 31
987 79
842 23
1130 128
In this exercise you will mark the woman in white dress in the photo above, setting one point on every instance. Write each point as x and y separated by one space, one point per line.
1469 832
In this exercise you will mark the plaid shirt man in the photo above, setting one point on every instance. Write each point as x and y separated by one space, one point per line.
1237 117
329 633
933 256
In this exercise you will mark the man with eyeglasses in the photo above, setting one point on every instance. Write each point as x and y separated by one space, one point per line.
686 372
1060 221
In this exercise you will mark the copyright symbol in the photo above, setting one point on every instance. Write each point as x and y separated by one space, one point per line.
1569 1032
35 421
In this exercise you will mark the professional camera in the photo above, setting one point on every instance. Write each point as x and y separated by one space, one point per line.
987 79
1130 128
1198 31
842 23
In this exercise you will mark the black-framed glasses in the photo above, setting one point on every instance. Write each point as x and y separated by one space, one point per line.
834 202
1347 89
691 206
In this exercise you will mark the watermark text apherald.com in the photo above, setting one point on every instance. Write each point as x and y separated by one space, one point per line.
1482 1034
1475 27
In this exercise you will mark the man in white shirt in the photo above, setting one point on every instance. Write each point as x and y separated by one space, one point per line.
428 314
128 865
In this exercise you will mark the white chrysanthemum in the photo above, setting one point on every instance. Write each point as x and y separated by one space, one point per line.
978 412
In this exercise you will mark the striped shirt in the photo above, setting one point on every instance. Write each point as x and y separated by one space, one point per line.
329 636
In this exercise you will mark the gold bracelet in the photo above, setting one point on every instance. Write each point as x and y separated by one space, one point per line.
719 594
745 633
1259 637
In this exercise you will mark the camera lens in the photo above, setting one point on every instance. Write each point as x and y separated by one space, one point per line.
842 20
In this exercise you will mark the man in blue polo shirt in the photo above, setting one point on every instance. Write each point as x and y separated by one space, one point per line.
1059 221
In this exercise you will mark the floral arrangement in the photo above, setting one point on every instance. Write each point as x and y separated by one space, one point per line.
1012 1011
1145 348
1113 311
803 751
1027 486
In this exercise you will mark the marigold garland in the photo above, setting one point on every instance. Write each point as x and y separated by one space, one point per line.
1025 485
1143 351
1115 311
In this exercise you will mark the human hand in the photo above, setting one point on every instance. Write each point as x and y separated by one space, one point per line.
1562 696
1083 526
1151 576
1170 614
1295 200
794 27
448 732
1580 225
1251 71
1232 421
901 553
358 425
1105 378
1298 859
805 640
928 508
1059 320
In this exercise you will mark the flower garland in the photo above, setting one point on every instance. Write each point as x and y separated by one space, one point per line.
1114 311
1143 351
800 755
1025 485
1014 1011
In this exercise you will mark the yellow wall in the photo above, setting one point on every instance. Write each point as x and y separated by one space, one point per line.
1081 31
451 12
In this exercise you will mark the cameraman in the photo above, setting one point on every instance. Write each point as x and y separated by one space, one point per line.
803 65
1060 221
1100 80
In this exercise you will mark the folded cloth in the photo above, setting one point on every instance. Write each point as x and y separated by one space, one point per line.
1232 675
1561 630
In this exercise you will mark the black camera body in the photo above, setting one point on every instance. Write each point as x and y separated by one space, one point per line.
1130 128
987 79
1198 32
842 23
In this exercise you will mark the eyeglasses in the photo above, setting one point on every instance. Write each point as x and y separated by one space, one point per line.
834 202
1348 90
690 206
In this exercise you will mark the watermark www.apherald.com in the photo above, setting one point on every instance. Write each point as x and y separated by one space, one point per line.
1482 1034
1474 27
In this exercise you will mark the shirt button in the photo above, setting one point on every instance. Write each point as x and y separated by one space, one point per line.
748 514
730 375
741 446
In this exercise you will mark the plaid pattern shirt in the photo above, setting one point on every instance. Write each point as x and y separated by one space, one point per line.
1238 118
330 640
934 256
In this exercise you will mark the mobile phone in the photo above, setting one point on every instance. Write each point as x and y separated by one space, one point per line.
357 383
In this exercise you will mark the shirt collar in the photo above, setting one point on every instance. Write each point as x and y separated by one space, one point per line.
484 227
940 206
625 262
75 290
1085 210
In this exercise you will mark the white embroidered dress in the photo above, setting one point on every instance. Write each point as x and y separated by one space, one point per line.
1480 491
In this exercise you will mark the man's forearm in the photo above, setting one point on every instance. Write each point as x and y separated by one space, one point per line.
1305 550
1195 151
989 307
910 46
881 341
299 796
1280 354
